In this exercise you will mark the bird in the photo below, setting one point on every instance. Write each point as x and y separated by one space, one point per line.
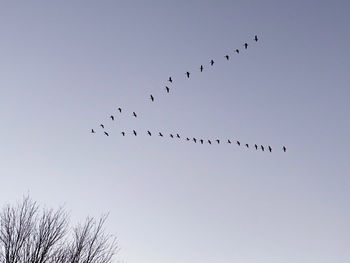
270 149
123 133
160 134
177 135
245 45
262 148
152 98
201 68
227 57
120 110
237 51
256 147
172 136
209 141
170 80
167 89
256 38
188 74
284 148
112 117
102 126
134 113
247 145
92 131
211 62
134 132
187 139
201 140
149 133
228 141
239 144
195 140
218 141
106 133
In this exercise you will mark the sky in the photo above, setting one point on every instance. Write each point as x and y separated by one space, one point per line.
66 66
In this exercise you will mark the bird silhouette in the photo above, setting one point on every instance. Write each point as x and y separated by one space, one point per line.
195 140
172 136
201 140
245 45
227 57
256 147
237 51
247 145
209 141
120 110
201 68
284 149
123 133
256 38
92 131
106 133
187 139
112 117
149 133
188 74
228 141
211 62
177 135
167 89
262 148
270 149
239 144
134 132
170 80
102 126
152 98
160 134
134 113
218 141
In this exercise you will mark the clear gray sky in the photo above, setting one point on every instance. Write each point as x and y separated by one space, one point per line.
65 66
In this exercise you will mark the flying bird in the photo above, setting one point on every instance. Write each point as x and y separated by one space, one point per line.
256 38
256 147
188 74
284 149
209 141
134 132
167 89
102 126
201 140
149 133
211 62
247 145
106 133
152 98
245 45
123 133
237 51
112 117
270 149
92 131
228 141
172 136
120 110
218 141
195 140
170 80
201 68
134 113
227 57
177 135
160 134
187 139
239 144
262 148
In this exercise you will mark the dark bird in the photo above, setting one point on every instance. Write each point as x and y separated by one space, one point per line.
187 139
102 126
239 144
245 45
256 147
134 132
92 131
237 51
123 133
227 57
167 89
211 62
270 149
188 74
177 135
262 148
284 149
172 136
201 68
152 98
195 140
228 141
120 110
134 113
106 133
218 141
256 38
160 134
149 133
112 117
247 145
170 80
209 141
201 140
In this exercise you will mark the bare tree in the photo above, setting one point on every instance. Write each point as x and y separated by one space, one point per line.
31 235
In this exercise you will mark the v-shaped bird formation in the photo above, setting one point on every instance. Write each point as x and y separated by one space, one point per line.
199 139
